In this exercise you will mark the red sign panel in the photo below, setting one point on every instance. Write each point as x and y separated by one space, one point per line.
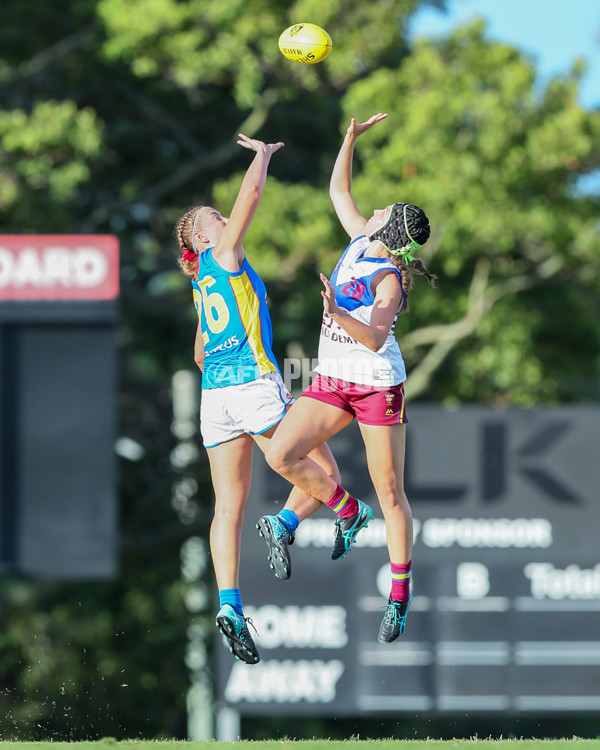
59 267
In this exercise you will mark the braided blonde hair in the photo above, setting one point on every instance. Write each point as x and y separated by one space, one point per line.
185 236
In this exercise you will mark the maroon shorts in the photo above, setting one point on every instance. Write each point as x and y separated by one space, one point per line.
370 405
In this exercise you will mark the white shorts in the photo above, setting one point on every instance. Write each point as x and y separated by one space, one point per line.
246 409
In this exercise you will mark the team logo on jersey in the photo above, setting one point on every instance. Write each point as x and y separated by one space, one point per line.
389 398
356 289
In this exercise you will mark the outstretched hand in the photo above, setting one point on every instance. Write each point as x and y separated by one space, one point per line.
355 129
330 306
255 145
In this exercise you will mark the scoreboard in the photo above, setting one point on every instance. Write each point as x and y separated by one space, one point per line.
58 314
506 578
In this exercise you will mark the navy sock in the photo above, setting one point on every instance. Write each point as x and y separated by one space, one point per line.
231 596
289 519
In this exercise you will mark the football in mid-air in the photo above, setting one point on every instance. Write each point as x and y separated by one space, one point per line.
305 43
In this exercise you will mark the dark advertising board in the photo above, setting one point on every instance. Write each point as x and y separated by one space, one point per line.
58 367
506 577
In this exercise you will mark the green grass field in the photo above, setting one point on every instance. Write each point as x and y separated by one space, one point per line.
110 744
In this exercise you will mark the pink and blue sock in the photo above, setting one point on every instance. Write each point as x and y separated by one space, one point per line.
289 519
342 503
401 575
231 596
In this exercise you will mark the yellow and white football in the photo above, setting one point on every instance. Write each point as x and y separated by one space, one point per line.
305 43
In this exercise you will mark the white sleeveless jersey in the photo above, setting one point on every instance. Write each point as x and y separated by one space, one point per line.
341 355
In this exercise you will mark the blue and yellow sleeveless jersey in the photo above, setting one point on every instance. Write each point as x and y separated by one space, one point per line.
235 323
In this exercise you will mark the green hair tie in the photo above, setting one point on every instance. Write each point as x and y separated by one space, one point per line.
405 251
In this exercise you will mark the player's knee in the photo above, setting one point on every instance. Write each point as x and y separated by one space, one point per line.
390 499
277 457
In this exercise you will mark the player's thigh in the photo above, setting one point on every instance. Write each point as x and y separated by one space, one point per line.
231 471
306 426
321 455
385 446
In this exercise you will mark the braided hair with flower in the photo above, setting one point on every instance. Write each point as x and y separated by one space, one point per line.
185 230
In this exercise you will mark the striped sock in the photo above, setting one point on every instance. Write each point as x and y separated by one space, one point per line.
343 503
289 519
231 596
401 575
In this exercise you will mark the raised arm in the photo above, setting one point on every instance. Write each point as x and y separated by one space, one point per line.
228 251
340 185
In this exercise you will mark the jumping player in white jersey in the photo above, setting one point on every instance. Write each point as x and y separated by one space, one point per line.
361 374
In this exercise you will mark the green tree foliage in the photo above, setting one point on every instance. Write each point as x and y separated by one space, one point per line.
496 164
117 115
48 149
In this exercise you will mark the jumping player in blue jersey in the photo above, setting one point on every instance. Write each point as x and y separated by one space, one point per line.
361 373
243 395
